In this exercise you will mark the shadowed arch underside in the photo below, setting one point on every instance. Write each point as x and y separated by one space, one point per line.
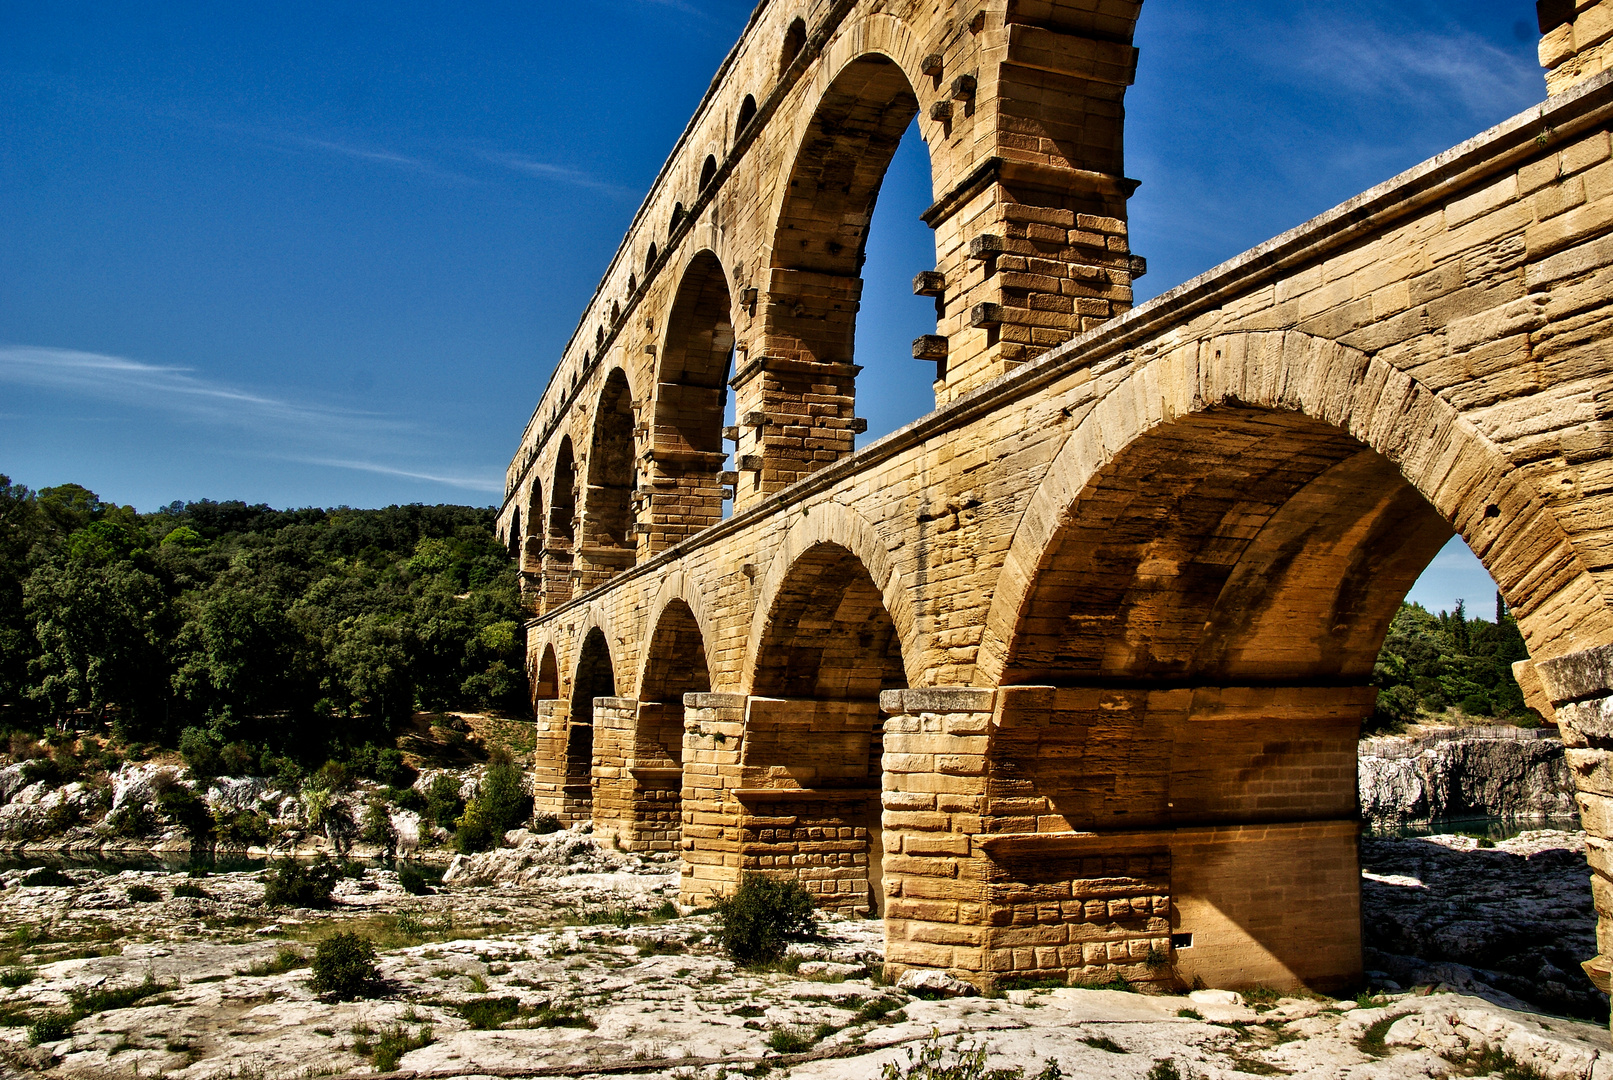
609 543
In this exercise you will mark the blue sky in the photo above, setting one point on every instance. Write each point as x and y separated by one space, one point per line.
315 254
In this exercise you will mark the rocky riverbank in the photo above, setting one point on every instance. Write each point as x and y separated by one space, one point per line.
1455 773
559 957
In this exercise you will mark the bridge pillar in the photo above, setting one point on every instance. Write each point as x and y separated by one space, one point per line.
549 758
934 798
795 411
787 792
1580 688
637 779
555 587
1083 835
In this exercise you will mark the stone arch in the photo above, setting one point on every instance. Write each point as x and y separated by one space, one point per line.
593 676
708 172
861 104
813 744
1461 474
1183 639
841 526
608 541
795 39
546 686
691 393
747 113
514 537
650 258
532 543
559 532
676 588
639 744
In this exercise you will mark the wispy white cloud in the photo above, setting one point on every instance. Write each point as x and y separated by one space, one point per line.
268 425
544 170
1417 68
469 483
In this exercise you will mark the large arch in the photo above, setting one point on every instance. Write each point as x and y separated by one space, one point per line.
813 742
1191 652
692 371
532 545
1468 481
818 235
609 541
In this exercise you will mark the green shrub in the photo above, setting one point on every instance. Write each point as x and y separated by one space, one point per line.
11 978
143 894
183 807
132 820
51 1027
344 966
763 916
289 883
500 805
284 960
242 828
201 754
1164 1070
406 799
396 1041
377 826
443 804
194 892
788 1040
414 880
545 823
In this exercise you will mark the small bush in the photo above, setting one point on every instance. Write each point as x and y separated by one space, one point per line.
377 826
545 823
406 799
1164 1070
396 1041
11 978
443 804
344 966
290 883
143 894
183 807
51 1027
762 917
132 820
499 805
560 1016
414 880
488 1013
1106 1044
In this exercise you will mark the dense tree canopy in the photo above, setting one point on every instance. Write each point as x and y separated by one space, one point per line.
1448 663
299 633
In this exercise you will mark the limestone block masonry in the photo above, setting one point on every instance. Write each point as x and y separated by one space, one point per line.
1063 680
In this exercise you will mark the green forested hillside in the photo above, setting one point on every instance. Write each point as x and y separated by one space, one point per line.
1449 666
257 633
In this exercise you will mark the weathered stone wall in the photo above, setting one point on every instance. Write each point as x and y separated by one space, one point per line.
1120 607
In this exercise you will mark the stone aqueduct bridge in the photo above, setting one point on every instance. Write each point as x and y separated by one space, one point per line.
1065 678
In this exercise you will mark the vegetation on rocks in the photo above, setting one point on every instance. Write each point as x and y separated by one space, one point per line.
1449 665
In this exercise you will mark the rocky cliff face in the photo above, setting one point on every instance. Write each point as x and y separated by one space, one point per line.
1404 781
